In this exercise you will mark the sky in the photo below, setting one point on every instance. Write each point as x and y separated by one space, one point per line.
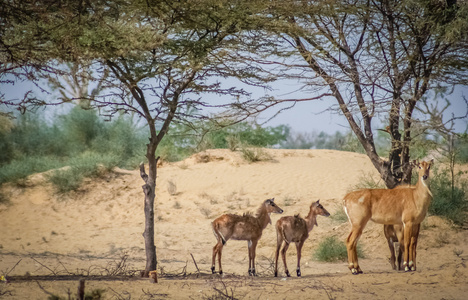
315 115
309 116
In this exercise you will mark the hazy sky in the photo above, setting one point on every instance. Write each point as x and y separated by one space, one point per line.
313 115
304 116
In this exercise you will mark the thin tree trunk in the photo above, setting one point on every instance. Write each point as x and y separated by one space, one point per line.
149 190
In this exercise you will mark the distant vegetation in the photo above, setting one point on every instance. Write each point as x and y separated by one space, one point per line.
80 140
88 146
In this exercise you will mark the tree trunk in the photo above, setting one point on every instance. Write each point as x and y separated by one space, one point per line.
149 190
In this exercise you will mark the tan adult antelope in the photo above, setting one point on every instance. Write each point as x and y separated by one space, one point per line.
296 230
246 227
406 206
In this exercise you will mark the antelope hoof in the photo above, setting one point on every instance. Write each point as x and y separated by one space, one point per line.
220 272
287 273
298 271
276 273
213 270
252 272
356 271
407 269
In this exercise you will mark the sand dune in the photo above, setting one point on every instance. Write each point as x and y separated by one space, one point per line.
91 229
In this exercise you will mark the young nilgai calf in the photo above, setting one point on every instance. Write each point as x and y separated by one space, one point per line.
246 227
296 230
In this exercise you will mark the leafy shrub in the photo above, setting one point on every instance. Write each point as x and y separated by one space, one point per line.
21 168
332 250
448 202
86 165
31 145
340 216
254 154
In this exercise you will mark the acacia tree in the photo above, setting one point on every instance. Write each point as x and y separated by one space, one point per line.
374 58
152 58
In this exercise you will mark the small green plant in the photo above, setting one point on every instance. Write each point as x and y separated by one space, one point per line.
255 154
339 216
233 142
332 250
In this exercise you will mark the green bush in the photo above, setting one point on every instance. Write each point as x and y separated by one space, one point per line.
254 154
332 250
86 165
21 168
30 145
339 216
452 204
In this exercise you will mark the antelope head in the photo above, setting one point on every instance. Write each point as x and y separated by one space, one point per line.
424 168
271 206
318 209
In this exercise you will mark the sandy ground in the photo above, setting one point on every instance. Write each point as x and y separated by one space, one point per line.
98 231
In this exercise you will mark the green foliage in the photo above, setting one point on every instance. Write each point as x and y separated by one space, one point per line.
332 250
248 134
88 164
449 202
461 144
80 140
337 141
339 216
184 140
27 165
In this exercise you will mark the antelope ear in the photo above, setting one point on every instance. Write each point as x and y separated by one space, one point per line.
272 199
318 201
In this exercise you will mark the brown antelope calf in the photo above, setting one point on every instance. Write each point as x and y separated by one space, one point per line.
246 227
296 230
406 206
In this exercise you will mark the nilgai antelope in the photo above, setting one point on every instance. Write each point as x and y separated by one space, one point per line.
296 230
406 206
246 227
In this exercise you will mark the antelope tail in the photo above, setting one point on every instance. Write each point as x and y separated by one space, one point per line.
218 233
284 236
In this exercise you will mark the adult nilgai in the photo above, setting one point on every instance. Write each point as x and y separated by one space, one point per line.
246 227
294 229
405 206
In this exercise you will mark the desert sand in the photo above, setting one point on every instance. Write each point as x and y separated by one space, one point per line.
97 230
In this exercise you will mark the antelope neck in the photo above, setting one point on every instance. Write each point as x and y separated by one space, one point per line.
311 220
